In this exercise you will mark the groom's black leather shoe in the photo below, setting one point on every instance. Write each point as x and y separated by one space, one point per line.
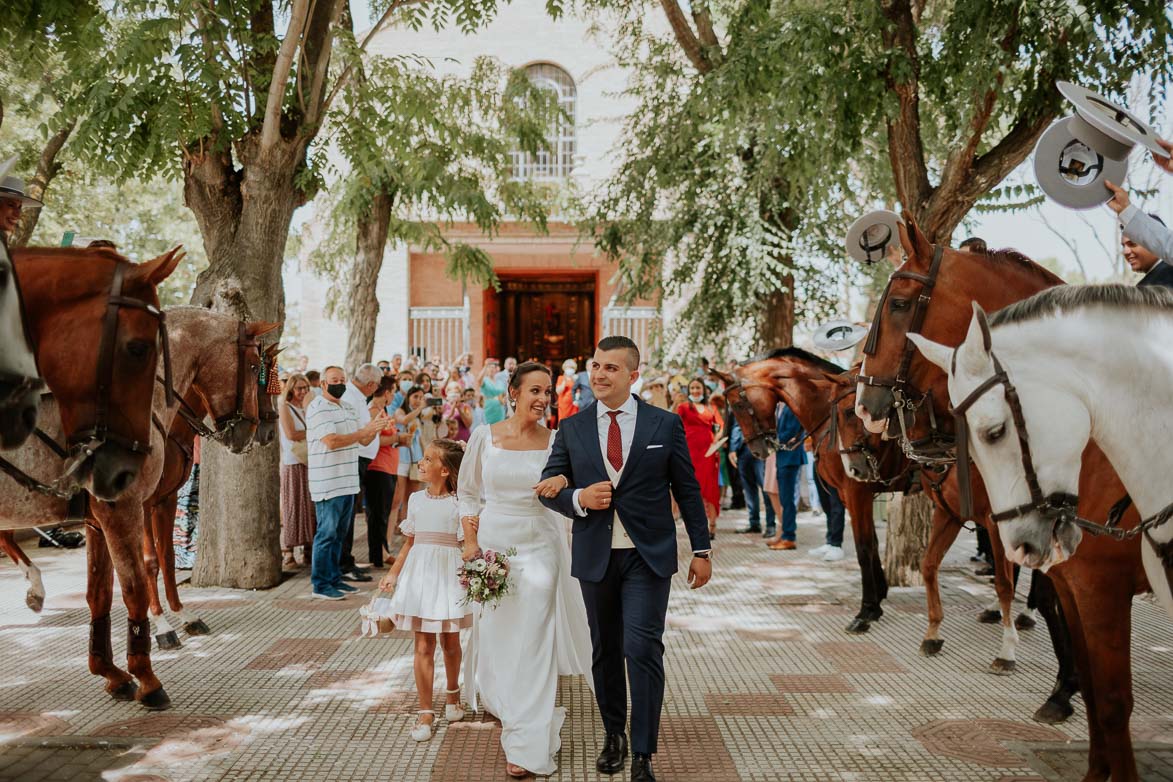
641 768
613 755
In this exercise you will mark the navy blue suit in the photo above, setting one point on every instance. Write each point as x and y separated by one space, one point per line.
626 590
1160 274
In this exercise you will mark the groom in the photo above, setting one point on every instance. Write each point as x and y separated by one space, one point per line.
624 456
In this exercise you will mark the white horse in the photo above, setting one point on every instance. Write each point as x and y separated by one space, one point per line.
1087 362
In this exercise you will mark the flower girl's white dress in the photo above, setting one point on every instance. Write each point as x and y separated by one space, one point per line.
428 593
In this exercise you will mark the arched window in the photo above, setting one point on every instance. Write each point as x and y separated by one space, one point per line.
556 162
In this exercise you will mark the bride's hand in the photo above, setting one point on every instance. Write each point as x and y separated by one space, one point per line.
551 486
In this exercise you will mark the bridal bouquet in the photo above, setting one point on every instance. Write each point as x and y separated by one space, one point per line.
485 580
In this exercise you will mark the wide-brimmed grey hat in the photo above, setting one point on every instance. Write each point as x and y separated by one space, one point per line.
869 237
1105 125
839 335
13 187
1071 171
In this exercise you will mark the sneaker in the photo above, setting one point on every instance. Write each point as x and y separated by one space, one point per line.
819 551
344 587
748 530
328 594
356 575
833 554
769 533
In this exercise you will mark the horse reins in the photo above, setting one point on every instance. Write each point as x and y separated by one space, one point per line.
937 447
1055 507
741 404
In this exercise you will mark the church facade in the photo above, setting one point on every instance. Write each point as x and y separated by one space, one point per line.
557 296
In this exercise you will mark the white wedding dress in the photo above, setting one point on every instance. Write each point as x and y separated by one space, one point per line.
539 631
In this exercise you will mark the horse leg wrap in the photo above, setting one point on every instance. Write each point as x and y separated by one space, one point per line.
100 646
138 639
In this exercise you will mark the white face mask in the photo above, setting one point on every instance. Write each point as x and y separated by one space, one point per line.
404 385
695 398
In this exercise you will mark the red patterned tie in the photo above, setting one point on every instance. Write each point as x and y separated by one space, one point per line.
615 442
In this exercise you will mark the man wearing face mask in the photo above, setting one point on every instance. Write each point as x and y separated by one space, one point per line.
358 391
334 436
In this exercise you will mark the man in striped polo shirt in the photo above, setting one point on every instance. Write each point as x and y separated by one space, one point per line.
334 437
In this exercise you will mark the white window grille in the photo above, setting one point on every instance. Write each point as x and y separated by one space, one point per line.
439 331
557 161
639 324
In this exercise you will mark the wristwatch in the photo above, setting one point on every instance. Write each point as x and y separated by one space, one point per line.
702 554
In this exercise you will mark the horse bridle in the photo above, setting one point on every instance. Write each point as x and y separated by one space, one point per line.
908 400
860 446
743 406
84 443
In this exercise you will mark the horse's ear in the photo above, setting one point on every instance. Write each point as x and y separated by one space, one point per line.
724 377
917 246
974 353
979 316
258 327
941 355
159 269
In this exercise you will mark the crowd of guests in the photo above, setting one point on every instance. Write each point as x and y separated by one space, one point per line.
357 440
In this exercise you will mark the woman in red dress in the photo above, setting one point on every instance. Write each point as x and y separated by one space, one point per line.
700 427
565 389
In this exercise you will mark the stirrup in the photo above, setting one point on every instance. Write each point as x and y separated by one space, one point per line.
423 730
452 711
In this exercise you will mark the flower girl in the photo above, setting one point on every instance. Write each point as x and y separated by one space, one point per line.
429 596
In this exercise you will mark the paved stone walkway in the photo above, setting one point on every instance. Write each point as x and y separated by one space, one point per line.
763 685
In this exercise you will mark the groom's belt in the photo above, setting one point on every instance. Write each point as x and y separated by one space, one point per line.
436 539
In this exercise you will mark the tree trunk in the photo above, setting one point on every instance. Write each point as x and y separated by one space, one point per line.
244 217
47 168
362 303
776 324
910 517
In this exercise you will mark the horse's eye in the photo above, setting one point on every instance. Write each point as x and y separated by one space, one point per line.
898 305
994 433
139 348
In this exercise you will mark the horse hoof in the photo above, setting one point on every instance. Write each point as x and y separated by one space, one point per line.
127 691
1024 622
156 700
1003 667
931 646
35 602
859 626
1053 712
990 617
198 627
168 640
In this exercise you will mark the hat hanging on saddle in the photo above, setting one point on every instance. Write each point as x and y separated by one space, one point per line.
869 237
1070 171
1106 126
13 187
839 335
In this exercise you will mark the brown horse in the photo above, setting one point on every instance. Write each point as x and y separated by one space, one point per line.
800 379
207 344
94 317
941 486
1095 586
159 509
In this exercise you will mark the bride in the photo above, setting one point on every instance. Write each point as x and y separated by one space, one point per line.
539 630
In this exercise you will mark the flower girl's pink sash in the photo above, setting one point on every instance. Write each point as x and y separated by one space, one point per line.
437 539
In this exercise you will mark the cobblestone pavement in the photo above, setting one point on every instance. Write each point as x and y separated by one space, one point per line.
763 685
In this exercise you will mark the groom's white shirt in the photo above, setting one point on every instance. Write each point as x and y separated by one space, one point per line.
626 420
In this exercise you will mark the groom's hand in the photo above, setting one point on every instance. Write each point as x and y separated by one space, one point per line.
699 572
597 496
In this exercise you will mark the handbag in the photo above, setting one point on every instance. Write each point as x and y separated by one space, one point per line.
300 448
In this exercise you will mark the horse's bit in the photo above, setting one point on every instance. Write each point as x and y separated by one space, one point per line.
742 405
937 447
1056 506
861 446
85 442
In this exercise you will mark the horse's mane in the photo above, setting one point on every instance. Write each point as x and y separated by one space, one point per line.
76 253
1064 299
799 353
1008 256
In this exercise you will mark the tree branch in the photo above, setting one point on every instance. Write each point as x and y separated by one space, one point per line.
704 27
47 168
271 129
685 36
319 43
906 151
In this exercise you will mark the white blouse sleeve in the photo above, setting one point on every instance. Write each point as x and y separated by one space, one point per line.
470 488
407 526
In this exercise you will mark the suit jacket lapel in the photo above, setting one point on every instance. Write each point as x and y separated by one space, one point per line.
646 427
588 434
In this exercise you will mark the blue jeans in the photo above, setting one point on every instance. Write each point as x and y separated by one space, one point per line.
787 489
829 499
333 520
752 472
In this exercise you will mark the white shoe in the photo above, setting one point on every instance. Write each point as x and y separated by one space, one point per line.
423 730
834 554
818 551
452 711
